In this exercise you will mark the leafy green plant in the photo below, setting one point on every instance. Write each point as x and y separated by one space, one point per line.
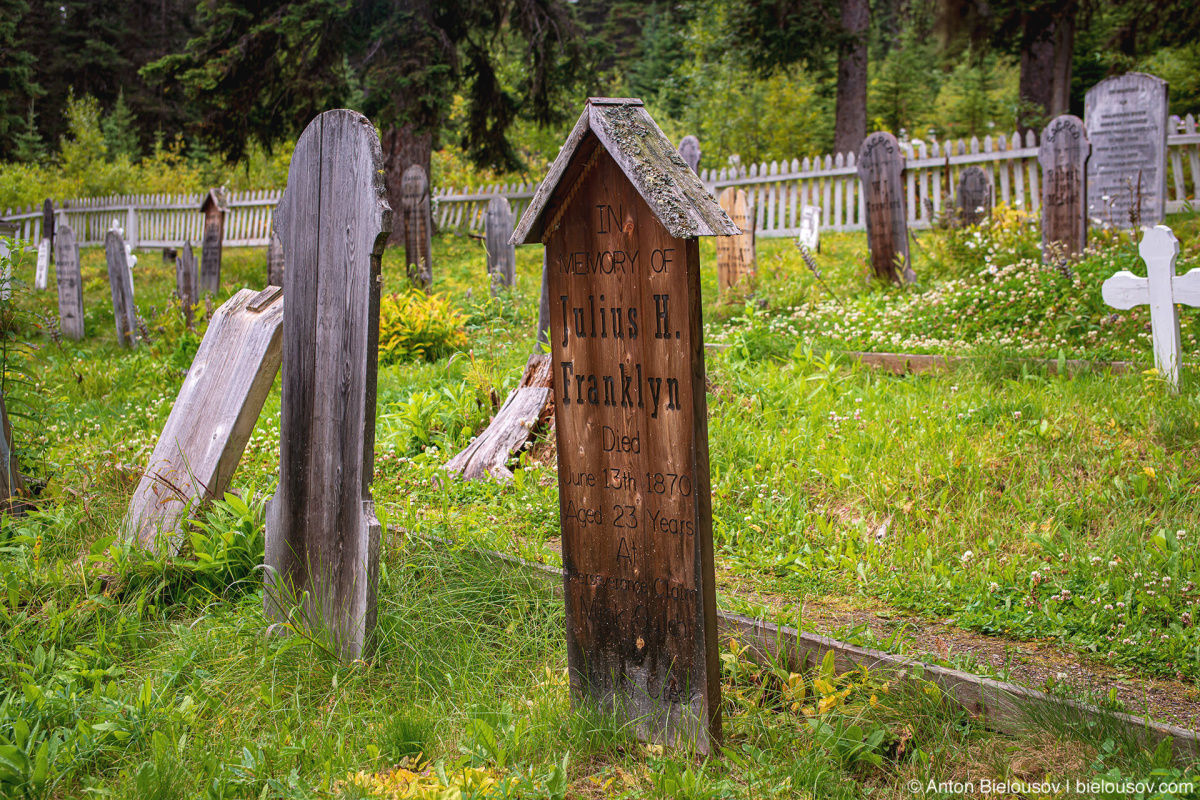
414 325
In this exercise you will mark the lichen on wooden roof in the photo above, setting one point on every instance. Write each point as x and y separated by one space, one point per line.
650 162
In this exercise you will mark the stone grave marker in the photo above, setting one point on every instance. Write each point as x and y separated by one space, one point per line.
1127 120
736 256
1162 290
619 214
322 532
881 169
120 280
213 416
1063 156
689 151
974 198
501 256
275 261
70 284
418 227
187 283
213 209
810 228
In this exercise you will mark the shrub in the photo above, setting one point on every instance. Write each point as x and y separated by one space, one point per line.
418 326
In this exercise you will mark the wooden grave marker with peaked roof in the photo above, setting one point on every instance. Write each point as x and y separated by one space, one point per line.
619 214
213 209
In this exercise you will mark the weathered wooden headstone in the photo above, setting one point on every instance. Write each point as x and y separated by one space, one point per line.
41 276
1127 123
619 214
736 257
121 282
213 209
1161 289
187 283
501 256
418 227
48 222
1063 156
810 228
70 284
11 482
275 261
322 533
689 151
881 169
213 417
974 196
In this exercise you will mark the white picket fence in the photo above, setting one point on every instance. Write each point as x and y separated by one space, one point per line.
778 191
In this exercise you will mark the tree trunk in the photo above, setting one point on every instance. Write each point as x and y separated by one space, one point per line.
851 114
403 147
1047 41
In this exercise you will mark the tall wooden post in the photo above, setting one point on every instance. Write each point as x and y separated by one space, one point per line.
501 256
70 284
187 283
418 227
213 209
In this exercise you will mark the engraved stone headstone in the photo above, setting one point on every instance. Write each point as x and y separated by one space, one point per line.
213 417
70 284
736 257
501 256
1063 156
810 228
120 280
881 169
619 214
213 209
187 283
275 261
689 151
418 227
974 199
1127 123
322 532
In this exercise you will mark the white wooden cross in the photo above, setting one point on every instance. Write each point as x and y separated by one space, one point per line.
1162 289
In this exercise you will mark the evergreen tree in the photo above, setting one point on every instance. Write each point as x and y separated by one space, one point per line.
16 78
27 142
120 131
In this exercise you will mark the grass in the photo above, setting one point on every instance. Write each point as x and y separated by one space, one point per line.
1012 502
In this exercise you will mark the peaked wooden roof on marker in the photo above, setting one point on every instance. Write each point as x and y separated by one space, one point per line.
649 161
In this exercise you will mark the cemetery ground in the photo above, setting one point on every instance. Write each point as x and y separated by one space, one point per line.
1010 517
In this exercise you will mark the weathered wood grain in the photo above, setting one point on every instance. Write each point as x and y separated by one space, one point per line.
543 324
120 280
11 483
213 209
689 151
501 256
187 283
881 169
212 419
974 196
736 255
275 261
70 284
525 408
322 533
418 227
1063 156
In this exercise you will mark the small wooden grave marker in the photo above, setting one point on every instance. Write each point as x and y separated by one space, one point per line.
1161 289
974 196
736 256
619 214
275 261
11 483
213 209
70 284
212 419
322 533
41 276
1126 117
48 225
418 227
120 280
1063 156
810 228
689 151
881 168
501 256
187 283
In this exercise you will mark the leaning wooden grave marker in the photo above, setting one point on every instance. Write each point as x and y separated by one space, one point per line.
322 533
213 416
974 199
1126 120
70 284
1161 289
619 214
213 209
1063 156
275 261
810 228
689 151
501 255
187 283
120 280
881 169
736 257
418 227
